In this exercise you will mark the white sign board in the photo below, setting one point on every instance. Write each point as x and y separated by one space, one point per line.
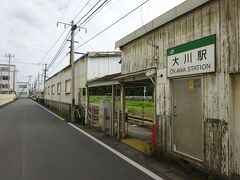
196 57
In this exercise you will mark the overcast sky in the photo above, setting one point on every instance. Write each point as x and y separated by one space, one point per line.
28 28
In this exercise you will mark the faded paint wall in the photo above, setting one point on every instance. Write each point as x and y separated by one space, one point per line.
220 17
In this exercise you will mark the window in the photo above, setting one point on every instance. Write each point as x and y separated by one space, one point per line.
59 88
53 89
22 86
4 86
4 77
23 93
68 86
49 90
4 69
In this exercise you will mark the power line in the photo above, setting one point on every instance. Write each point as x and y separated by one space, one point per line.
98 20
54 33
19 62
81 10
62 46
59 51
86 18
53 45
89 11
112 24
96 13
58 64
141 14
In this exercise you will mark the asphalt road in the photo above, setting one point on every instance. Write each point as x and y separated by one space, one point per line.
36 145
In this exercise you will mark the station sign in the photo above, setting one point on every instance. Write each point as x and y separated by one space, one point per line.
195 57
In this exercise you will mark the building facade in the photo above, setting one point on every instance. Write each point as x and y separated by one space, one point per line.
23 89
194 50
7 79
90 66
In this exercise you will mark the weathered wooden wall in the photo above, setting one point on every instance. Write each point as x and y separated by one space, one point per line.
220 17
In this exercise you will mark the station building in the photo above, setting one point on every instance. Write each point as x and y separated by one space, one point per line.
192 54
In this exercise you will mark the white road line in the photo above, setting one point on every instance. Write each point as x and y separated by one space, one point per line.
130 161
49 111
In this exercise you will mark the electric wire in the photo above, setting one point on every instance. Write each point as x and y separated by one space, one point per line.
20 62
54 33
88 12
98 20
93 37
141 14
62 46
58 64
59 51
95 12
53 45
81 10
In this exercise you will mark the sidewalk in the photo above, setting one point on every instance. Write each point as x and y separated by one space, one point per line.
166 170
6 99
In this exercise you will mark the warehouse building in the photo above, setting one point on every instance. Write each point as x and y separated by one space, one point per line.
192 54
91 65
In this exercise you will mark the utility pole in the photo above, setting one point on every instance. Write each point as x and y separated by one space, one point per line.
1 80
72 65
30 79
73 29
9 61
38 84
44 80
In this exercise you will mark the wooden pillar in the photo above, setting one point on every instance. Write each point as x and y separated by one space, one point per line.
118 124
155 105
86 104
112 124
123 108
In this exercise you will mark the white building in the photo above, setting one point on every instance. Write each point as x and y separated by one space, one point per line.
7 78
23 89
91 65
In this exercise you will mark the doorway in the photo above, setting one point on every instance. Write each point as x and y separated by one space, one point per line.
188 117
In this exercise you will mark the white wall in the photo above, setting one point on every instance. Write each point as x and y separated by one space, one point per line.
22 92
101 66
86 68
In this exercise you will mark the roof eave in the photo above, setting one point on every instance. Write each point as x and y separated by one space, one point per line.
170 15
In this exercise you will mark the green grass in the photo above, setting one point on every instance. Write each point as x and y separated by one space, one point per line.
136 107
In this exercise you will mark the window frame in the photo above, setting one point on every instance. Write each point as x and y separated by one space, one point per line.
59 88
66 86
53 89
